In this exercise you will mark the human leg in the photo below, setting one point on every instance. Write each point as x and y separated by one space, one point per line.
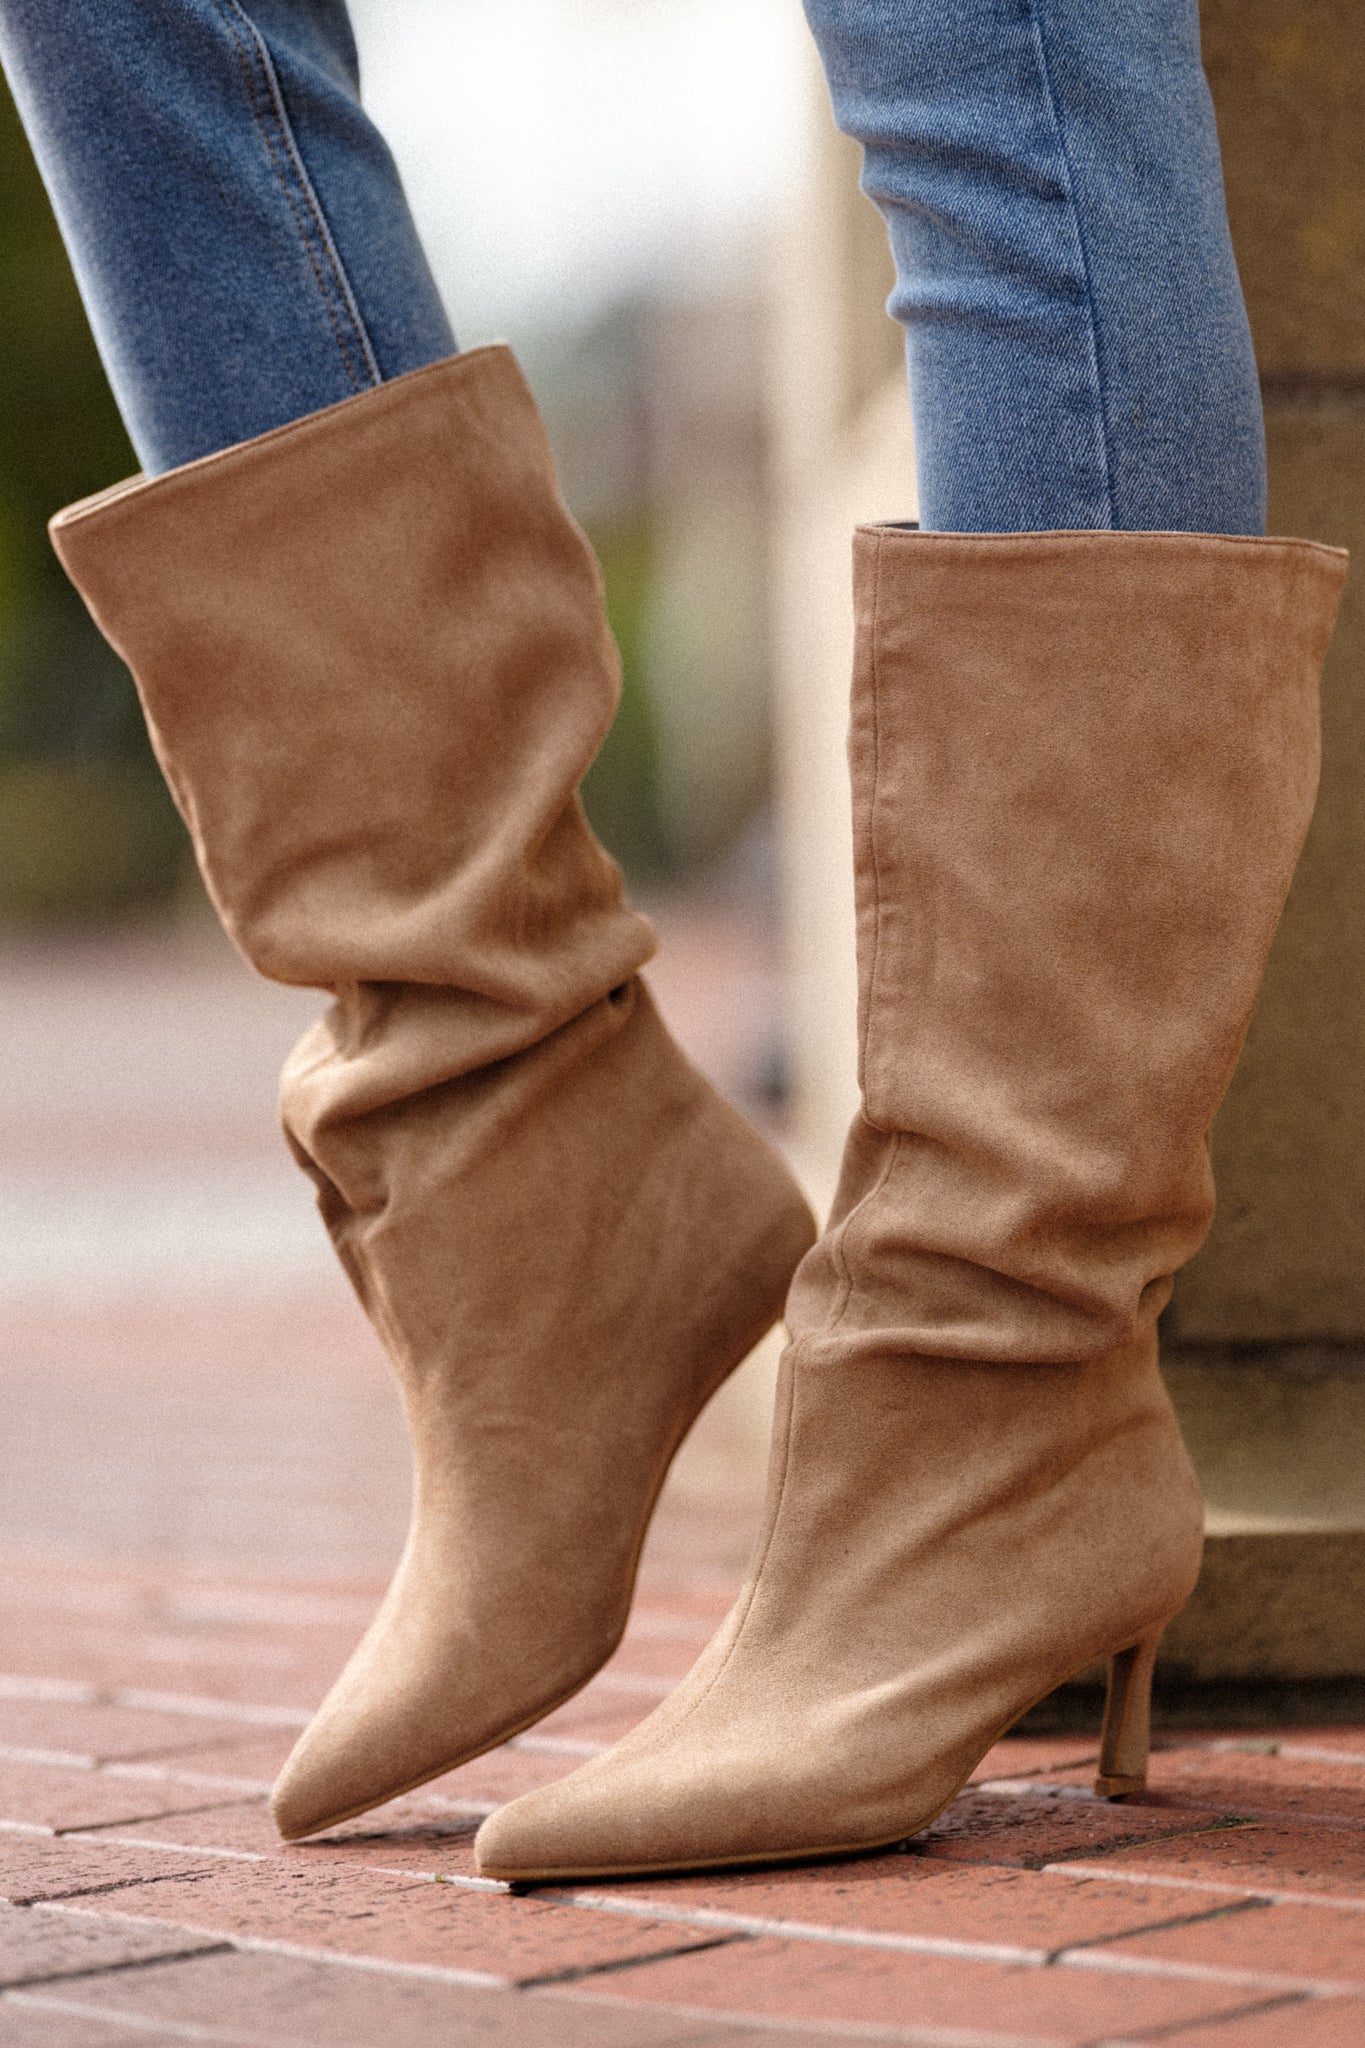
1083 763
372 649
234 219
373 657
1077 343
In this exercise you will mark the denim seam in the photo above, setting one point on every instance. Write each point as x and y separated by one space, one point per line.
238 24
1045 76
252 90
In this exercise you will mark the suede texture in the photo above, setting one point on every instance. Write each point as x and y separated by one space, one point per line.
1083 766
374 660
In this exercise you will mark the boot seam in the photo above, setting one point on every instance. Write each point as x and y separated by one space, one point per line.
875 962
1097 379
839 1237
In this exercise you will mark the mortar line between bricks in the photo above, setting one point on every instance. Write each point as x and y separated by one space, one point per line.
162 1752
201 1706
380 1966
1166 2028
249 1790
749 1925
1250 1905
139 1820
208 1706
75 1692
839 2030
159 1774
1227 1825
578 1972
479 1980
801 1930
746 1925
193 1706
98 1891
170 1848
1272 1897
1206 1973
147 2029
179 1955
436 1973
48 1759
455 1878
139 1762
932 1945
1291 1752
1114 1964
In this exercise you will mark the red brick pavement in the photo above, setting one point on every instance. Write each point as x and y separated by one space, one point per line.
208 1490
147 1890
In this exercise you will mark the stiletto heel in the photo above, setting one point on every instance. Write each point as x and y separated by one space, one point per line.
1126 1736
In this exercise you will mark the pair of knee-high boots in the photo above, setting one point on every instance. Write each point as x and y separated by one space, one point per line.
373 657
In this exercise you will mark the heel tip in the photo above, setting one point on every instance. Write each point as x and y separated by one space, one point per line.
1118 1787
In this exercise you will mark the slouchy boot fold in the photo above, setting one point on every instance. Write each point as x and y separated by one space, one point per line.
1083 767
374 660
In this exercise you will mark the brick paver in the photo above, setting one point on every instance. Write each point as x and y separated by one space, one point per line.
907 1902
272 2001
1306 1946
790 1980
208 1491
1282 2023
58 1798
1255 1856
42 1946
471 1933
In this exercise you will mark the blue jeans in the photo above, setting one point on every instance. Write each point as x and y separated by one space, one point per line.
1048 170
1078 348
237 228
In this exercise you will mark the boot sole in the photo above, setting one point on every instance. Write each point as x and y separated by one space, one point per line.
1125 1788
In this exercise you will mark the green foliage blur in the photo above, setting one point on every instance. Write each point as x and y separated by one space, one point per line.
621 789
86 828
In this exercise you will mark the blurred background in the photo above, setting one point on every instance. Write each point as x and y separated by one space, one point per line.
595 183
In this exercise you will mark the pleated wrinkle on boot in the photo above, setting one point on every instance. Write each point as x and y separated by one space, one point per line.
375 663
1083 766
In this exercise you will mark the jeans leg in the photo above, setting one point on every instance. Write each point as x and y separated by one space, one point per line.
1077 342
235 221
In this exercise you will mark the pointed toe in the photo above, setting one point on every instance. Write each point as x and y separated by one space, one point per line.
300 1806
300 1810
513 1845
556 1832
351 1757
318 1787
649 1804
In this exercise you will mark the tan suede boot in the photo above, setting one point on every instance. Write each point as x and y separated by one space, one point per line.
1083 766
373 655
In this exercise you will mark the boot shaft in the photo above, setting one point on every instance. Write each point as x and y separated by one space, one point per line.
1083 766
